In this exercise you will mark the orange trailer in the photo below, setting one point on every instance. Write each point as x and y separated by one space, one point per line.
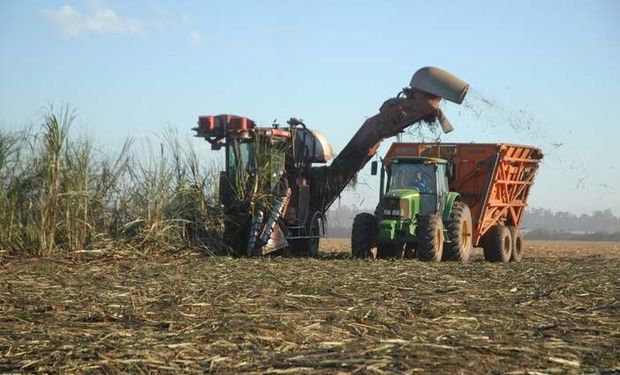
493 179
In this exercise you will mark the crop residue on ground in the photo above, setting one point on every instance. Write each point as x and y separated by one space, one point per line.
558 311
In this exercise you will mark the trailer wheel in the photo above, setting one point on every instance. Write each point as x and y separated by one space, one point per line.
497 244
517 244
363 235
430 238
459 234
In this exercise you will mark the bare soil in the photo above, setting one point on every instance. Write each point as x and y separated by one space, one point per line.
120 312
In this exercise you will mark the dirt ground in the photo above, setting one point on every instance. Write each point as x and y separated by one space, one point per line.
556 312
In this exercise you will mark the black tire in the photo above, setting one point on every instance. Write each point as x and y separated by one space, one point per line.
429 234
234 239
363 235
409 252
459 234
299 247
305 247
497 244
315 231
516 255
390 250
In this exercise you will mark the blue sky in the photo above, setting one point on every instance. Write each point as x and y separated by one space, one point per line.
550 68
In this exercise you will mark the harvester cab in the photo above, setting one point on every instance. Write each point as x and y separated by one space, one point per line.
264 188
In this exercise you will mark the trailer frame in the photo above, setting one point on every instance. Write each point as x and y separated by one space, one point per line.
494 179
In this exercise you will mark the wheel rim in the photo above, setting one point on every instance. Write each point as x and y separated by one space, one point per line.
465 234
507 245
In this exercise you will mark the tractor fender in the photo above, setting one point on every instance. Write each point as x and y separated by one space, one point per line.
447 208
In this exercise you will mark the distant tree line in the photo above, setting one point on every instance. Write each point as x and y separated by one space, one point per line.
560 235
599 221
538 223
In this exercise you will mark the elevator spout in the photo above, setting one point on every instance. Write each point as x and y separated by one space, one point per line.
421 101
440 83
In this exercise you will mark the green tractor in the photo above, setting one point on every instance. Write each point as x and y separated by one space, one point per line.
417 216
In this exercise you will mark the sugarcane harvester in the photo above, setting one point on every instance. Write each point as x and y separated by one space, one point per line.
275 192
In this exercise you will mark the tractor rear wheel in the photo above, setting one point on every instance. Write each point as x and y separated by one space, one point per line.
459 234
363 235
430 238
497 244
517 244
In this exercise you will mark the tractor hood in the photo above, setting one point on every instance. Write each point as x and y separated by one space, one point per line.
402 193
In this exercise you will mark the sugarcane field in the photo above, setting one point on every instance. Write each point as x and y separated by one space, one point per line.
309 188
556 312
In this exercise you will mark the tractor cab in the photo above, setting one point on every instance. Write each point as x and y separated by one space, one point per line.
414 186
416 202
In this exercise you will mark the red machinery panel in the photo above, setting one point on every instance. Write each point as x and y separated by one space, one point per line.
218 126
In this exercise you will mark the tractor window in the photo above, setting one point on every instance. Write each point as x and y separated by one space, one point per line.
442 183
413 176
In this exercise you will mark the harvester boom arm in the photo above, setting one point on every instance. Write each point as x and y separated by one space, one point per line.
420 102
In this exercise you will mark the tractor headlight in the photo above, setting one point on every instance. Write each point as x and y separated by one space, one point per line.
391 208
388 212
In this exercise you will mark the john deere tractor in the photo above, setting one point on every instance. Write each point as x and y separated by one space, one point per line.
416 216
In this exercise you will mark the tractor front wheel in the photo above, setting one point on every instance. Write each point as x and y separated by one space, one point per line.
497 244
430 238
363 235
